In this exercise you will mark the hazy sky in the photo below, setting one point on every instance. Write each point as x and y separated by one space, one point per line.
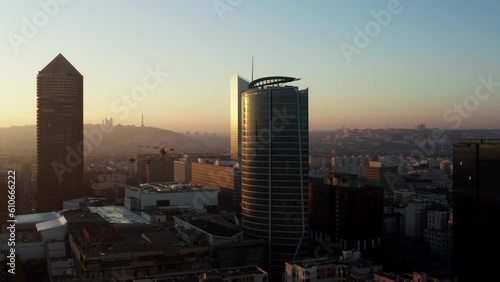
415 66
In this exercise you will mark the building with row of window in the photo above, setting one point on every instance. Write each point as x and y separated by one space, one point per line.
224 176
348 267
163 195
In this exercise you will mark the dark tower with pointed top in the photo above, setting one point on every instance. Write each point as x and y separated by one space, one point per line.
59 134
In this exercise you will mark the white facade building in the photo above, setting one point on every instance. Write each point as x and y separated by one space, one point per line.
439 233
168 195
415 218
46 242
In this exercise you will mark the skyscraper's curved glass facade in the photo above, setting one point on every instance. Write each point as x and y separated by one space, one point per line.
275 170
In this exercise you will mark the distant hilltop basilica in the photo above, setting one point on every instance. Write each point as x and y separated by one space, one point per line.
107 122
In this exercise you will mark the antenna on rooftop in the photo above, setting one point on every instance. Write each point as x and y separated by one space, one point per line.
252 68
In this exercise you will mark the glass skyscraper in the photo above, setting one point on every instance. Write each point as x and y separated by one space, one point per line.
59 134
275 141
476 208
238 86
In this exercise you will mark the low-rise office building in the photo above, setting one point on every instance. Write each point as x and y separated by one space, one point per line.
349 267
223 175
169 195
106 253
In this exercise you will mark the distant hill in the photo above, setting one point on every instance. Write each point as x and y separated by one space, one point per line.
18 140
120 140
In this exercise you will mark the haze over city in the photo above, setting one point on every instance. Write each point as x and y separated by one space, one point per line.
421 61
249 140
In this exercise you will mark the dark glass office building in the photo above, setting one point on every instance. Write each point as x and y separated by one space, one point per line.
476 209
346 216
59 134
275 169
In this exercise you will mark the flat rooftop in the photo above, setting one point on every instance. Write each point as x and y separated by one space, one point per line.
160 238
84 217
137 240
332 261
215 228
34 218
248 270
168 187
153 212
403 277
118 215
87 200
211 275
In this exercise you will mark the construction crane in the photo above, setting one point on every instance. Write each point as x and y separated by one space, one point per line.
163 162
163 150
